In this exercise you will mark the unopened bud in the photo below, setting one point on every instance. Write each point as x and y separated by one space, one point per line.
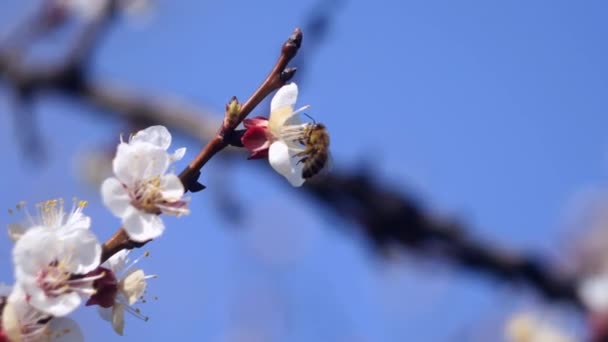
233 108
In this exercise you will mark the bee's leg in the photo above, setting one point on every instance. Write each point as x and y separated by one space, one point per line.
303 160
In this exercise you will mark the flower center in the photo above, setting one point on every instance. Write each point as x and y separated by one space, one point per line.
53 280
147 195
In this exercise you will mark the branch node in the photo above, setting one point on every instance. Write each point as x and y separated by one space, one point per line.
190 181
287 74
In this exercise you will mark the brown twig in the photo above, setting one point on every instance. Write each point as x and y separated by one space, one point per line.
277 77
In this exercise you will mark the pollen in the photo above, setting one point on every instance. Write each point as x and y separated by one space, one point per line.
50 211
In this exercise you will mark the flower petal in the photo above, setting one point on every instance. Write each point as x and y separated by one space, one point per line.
139 161
142 226
84 249
172 187
258 121
133 285
178 154
118 261
156 135
280 159
105 313
64 329
56 306
10 322
118 318
295 178
594 293
286 96
115 196
28 254
256 141
77 220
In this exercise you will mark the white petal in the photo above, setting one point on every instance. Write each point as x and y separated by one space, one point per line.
142 226
278 157
38 246
10 322
156 135
57 306
133 285
295 178
285 97
118 261
84 251
178 154
281 161
105 313
115 196
594 293
63 329
118 318
139 162
281 108
172 186
77 220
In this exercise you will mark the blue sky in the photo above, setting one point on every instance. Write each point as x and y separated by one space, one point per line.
491 112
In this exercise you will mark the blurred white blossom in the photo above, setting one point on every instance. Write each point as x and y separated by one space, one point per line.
593 291
524 327
92 9
52 257
22 322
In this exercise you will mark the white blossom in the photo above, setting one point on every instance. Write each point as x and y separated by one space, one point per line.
593 291
51 215
24 323
142 188
526 327
125 286
51 266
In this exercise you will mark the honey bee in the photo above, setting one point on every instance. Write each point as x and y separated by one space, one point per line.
315 156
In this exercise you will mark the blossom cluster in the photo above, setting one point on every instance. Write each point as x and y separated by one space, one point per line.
57 258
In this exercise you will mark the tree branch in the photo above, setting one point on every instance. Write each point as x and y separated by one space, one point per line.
389 218
277 77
